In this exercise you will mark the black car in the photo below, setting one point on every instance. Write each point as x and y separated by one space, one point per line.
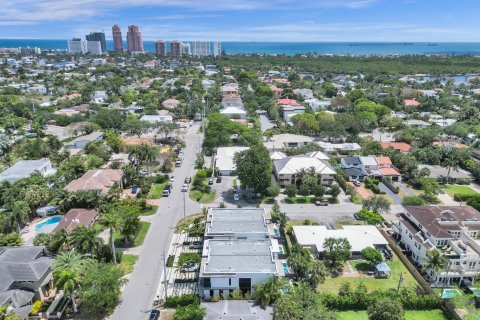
154 315
219 179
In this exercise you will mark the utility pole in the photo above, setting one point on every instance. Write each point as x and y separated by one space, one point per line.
165 282
399 282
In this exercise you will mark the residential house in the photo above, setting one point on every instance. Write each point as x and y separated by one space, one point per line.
77 217
287 140
157 118
397 146
411 103
454 230
40 89
239 252
304 93
25 168
277 155
290 107
99 180
81 142
25 276
224 159
229 88
234 112
359 237
417 123
443 174
99 97
369 165
171 104
286 170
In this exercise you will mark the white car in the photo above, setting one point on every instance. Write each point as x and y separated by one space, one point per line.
185 187
172 178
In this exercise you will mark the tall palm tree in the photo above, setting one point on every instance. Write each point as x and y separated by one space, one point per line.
84 240
436 261
113 223
148 154
316 273
68 269
18 213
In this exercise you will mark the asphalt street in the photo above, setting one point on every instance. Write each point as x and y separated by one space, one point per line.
139 293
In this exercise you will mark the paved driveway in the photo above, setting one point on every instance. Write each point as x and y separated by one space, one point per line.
139 293
265 124
389 192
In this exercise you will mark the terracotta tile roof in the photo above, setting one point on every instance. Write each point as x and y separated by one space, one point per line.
98 180
389 172
411 103
77 217
383 160
290 102
399 146
452 144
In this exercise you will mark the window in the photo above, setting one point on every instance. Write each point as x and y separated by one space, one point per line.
206 283
229 281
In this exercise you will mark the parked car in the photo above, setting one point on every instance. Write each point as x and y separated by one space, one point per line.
219 179
356 183
188 180
191 268
321 203
165 193
172 179
210 181
154 315
178 163
195 246
185 187
168 187
143 171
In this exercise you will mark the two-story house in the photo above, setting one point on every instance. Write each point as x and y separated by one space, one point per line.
454 230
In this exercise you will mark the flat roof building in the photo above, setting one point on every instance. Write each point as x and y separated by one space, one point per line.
238 222
25 168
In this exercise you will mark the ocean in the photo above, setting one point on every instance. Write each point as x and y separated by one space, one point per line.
291 48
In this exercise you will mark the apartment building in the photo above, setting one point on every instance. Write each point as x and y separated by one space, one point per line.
454 230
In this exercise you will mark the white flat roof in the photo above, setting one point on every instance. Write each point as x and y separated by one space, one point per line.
360 237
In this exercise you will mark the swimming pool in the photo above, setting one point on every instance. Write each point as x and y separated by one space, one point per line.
285 267
48 225
275 231
450 293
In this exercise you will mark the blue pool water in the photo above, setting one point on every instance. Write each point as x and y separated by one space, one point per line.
275 231
450 293
285 267
53 220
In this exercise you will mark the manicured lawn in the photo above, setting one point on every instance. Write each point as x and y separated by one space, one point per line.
299 200
128 261
201 197
409 315
156 190
149 212
451 189
141 234
397 267
138 241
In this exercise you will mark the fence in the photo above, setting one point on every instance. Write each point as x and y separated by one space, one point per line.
389 185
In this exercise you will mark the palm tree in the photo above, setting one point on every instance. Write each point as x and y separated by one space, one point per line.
437 262
85 240
134 156
112 222
148 154
18 213
316 273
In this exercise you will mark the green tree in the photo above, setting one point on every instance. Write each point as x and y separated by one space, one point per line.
330 90
270 291
112 222
273 191
189 312
19 213
85 240
299 261
290 190
254 168
386 309
10 240
377 204
305 123
100 288
337 250
436 261
372 255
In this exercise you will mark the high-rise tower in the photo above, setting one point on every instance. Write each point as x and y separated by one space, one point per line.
100 37
134 39
117 39
161 48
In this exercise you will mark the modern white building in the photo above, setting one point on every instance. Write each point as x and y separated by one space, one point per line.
77 46
94 47
200 48
287 169
454 230
287 140
157 118
239 252
359 237
224 160
217 48
25 168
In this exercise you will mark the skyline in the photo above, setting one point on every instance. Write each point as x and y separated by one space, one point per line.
246 20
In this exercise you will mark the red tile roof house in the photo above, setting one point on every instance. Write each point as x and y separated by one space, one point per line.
385 168
100 180
397 146
411 103
77 217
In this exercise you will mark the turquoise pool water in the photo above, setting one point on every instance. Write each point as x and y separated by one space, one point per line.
285 267
47 223
450 293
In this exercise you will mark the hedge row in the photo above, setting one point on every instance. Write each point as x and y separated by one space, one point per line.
181 301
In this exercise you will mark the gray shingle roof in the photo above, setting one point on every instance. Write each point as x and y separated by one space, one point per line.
16 297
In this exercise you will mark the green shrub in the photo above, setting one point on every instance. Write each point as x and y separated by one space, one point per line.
188 258
183 300
170 260
215 298
413 201
370 217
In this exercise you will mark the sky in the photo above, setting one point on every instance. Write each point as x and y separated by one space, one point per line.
247 20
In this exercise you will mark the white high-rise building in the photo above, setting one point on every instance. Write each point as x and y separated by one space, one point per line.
185 48
217 48
201 48
77 46
94 47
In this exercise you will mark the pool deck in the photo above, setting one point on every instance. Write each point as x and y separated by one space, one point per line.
30 235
